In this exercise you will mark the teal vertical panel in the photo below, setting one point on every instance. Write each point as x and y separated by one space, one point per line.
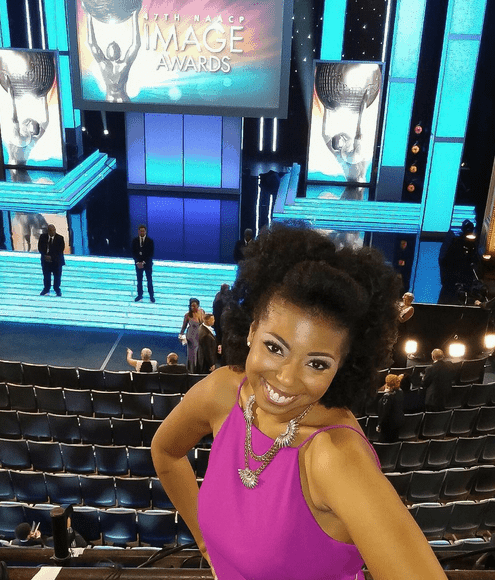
62 25
407 38
164 148
457 87
51 23
400 99
4 25
134 132
468 16
442 183
426 284
332 37
66 92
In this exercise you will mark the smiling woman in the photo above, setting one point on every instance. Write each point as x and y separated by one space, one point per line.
293 489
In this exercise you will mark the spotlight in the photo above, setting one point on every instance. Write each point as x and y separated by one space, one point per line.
411 188
470 236
411 347
490 341
418 129
413 168
457 349
83 129
486 257
105 131
415 148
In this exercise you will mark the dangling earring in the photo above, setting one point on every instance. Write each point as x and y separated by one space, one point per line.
248 343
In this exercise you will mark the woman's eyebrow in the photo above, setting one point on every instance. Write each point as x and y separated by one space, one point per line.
327 354
280 339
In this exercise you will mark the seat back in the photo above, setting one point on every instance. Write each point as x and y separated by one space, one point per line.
457 484
163 404
63 488
14 454
485 421
4 397
433 519
468 450
145 383
98 490
117 380
96 430
126 432
78 402
410 429
6 490
440 453
458 397
107 403
412 455
149 428
140 462
9 425
472 371
78 458
46 456
11 371
11 515
157 527
64 428
425 486
22 397
401 482
462 422
479 395
91 379
86 520
133 492
136 405
173 383
29 486
34 426
50 399
435 424
35 374
465 518
111 459
118 526
65 377
484 485
159 499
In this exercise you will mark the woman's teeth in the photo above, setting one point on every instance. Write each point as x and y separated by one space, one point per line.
276 398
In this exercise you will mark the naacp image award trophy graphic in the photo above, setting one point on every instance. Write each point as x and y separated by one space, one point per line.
113 64
26 79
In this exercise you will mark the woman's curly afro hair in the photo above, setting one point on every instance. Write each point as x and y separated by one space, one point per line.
354 288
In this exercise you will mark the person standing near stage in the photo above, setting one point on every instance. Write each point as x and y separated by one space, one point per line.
241 245
438 381
192 321
143 249
207 353
51 247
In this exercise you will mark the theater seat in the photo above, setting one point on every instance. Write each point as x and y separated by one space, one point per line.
133 492
29 486
118 526
11 515
440 453
433 519
458 483
425 486
98 490
156 527
479 395
465 518
86 520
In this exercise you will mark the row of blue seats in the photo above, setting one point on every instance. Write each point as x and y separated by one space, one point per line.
438 424
86 402
445 485
436 454
92 490
54 457
117 526
83 378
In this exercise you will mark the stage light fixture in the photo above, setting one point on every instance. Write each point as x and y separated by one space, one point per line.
413 168
486 257
415 148
457 349
105 131
411 347
418 129
490 341
411 188
470 236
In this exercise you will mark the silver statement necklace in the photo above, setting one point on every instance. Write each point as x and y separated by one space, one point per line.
249 477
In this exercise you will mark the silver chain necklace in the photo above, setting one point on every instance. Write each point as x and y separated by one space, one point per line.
249 477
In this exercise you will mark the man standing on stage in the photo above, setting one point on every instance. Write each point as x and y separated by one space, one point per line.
143 249
51 247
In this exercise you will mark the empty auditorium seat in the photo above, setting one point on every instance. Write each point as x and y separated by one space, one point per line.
479 395
22 397
462 422
171 384
488 451
35 374
467 451
78 458
117 380
6 490
63 488
118 526
106 403
126 432
485 421
435 424
96 430
34 426
465 518
159 499
425 486
4 397
86 520
14 454
163 404
433 519
10 372
111 459
64 428
50 399
98 490
488 520
458 397
11 515
156 527
140 462
136 405
46 456
149 428
133 492
440 453
410 429
145 382
387 454
412 455
78 402
91 379
457 484
29 486
371 432
9 425
65 377
484 485
472 371
400 481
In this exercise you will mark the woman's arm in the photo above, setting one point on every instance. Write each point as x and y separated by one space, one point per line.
202 407
184 324
130 360
343 477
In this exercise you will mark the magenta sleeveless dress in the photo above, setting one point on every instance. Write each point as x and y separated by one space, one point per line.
269 532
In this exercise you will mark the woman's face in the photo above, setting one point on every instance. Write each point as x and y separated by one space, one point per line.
194 307
293 358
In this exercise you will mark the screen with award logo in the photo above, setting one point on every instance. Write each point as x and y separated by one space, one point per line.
220 57
30 121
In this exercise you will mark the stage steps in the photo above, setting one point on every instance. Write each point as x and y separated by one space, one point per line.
99 292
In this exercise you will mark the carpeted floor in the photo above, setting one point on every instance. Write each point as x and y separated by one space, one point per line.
76 346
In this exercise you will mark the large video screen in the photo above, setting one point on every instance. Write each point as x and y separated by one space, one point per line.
30 121
344 124
220 57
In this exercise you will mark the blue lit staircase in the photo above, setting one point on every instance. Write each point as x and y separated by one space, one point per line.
99 292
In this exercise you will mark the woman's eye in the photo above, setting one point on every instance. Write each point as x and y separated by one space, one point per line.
273 348
319 365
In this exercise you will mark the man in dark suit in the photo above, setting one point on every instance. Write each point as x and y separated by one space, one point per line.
207 352
241 245
438 381
51 247
143 249
173 367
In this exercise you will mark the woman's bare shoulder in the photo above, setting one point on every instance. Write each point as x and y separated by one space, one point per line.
218 391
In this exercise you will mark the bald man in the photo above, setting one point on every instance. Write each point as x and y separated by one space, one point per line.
438 381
